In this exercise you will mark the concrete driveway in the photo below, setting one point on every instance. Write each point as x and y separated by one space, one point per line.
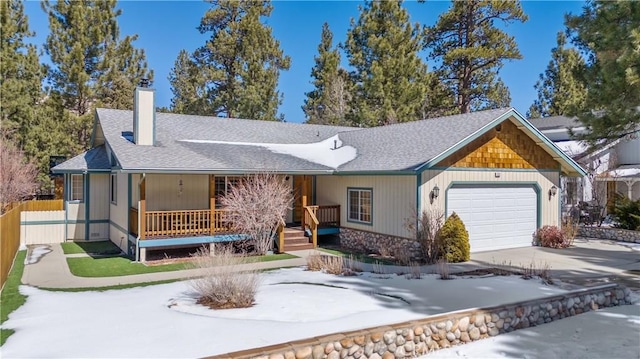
588 261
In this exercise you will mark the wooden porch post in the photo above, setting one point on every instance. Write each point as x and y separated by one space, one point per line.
303 194
281 238
212 204
142 231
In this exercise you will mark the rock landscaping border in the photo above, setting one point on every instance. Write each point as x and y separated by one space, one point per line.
614 234
370 242
410 339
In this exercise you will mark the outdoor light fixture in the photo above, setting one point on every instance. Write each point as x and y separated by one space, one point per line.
180 186
552 191
436 191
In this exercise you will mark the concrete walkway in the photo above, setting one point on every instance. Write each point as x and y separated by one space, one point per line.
52 271
588 262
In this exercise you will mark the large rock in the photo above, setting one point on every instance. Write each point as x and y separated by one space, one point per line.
303 353
463 325
474 334
389 337
317 352
464 337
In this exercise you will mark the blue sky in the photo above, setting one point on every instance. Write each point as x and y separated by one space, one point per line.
166 27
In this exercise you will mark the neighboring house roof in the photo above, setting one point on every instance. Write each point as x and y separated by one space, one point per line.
555 122
186 143
622 173
96 159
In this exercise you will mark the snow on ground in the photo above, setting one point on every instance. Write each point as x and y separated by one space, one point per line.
163 321
36 253
608 333
329 152
633 246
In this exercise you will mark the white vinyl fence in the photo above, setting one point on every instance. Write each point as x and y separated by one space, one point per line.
41 227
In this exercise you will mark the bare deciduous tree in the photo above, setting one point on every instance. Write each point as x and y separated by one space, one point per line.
598 170
17 175
256 206
425 227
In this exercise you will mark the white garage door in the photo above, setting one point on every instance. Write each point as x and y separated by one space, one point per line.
496 217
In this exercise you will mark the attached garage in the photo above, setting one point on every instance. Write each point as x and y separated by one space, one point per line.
496 216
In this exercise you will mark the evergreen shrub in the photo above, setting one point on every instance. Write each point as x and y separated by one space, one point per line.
454 240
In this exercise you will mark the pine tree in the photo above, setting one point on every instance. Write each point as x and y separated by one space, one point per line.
390 78
559 91
609 32
328 102
238 67
188 87
26 117
21 73
472 49
91 64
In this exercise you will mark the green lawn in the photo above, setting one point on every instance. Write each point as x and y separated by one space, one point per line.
111 287
102 247
121 266
357 256
10 298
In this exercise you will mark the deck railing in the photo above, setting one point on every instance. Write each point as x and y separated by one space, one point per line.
161 224
328 216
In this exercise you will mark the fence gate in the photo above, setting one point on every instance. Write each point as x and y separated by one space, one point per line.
41 227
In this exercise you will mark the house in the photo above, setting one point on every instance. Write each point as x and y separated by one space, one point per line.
153 180
612 168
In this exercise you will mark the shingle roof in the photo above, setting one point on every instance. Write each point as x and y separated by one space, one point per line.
96 159
172 152
555 122
406 146
187 143
389 148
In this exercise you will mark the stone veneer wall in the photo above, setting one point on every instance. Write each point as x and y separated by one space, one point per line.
615 234
418 337
370 242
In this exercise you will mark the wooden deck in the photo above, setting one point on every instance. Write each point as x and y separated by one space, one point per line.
161 225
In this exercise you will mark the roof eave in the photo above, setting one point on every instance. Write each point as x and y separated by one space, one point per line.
218 171
568 166
79 170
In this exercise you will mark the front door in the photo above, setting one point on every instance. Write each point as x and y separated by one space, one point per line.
302 190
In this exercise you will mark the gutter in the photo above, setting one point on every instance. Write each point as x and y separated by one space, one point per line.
229 172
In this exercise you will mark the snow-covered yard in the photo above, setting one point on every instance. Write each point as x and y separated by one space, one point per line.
164 321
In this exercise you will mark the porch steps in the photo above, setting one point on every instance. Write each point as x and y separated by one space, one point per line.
295 240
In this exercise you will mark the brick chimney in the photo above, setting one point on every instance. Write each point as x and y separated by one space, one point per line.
144 115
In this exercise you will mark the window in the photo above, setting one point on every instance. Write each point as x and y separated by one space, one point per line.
77 188
360 205
222 186
113 188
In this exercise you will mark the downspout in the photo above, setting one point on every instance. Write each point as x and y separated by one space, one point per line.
144 175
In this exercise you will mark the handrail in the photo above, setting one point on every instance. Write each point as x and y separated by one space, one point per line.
311 220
